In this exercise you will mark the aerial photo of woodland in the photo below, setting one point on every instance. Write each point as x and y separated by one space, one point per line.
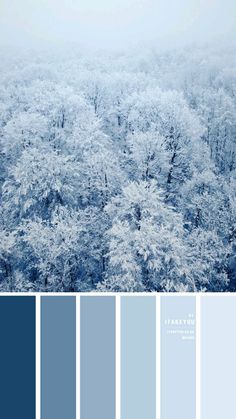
118 169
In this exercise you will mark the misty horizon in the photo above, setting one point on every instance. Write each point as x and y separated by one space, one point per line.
116 25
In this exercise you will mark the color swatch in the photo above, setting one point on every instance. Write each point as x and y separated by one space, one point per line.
58 357
138 357
178 358
97 358
218 349
17 357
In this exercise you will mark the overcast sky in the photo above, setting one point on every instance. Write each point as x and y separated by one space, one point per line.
115 23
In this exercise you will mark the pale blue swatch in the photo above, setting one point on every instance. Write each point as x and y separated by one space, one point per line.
218 353
178 358
58 357
97 358
138 358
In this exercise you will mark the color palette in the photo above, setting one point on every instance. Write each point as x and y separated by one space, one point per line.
117 357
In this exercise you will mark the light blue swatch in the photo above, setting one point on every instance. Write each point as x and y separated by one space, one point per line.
218 353
178 358
58 357
138 357
97 357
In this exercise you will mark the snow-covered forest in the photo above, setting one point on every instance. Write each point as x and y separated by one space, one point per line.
118 171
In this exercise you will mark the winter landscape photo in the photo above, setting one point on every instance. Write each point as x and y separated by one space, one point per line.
118 146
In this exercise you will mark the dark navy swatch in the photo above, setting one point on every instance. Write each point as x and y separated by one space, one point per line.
17 357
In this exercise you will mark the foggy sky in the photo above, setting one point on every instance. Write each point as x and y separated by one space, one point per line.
115 23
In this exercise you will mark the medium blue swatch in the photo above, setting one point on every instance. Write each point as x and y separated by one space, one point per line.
58 357
138 357
17 357
218 352
97 362
178 358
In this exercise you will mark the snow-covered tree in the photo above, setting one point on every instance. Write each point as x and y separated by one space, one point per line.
56 248
166 113
149 158
39 182
146 239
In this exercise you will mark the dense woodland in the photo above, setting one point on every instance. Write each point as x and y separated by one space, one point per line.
118 171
